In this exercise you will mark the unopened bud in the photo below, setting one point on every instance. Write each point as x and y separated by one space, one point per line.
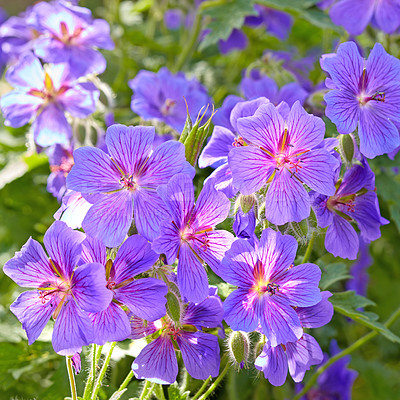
173 307
347 147
239 347
259 347
247 202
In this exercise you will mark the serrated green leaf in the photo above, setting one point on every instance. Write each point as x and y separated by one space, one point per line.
225 18
348 303
332 273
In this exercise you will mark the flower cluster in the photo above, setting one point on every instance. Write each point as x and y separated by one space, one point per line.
137 240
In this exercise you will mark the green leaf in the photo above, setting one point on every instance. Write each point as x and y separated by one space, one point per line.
348 303
332 273
224 18
388 187
304 9
175 393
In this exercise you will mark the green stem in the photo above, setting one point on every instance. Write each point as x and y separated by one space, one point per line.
92 374
202 389
103 371
358 343
308 252
188 50
217 382
146 388
159 392
71 378
124 384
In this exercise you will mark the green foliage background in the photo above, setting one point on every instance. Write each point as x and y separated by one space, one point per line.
143 42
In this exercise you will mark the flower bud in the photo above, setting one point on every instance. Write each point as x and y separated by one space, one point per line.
347 147
247 202
259 347
239 346
173 307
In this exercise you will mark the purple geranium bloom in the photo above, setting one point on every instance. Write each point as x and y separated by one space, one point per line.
188 233
63 291
355 15
365 94
162 96
360 277
277 23
61 162
236 40
69 35
124 183
244 224
173 18
284 153
335 382
73 209
355 200
222 117
269 286
256 85
300 355
143 297
222 141
200 351
45 95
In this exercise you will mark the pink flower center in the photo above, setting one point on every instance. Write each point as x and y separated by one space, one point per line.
168 107
67 37
65 166
238 142
128 182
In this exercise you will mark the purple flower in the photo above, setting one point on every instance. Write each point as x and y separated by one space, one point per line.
257 85
236 40
277 23
69 35
365 94
355 201
336 382
73 209
62 291
284 153
269 286
355 15
222 141
188 233
300 355
143 297
45 96
173 18
244 224
222 117
61 162
200 351
76 363
162 96
124 183
360 277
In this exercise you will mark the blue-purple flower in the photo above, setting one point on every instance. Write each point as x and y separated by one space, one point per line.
365 95
70 35
161 96
269 286
200 351
300 355
355 15
63 290
282 149
45 95
124 183
145 297
188 233
61 162
354 201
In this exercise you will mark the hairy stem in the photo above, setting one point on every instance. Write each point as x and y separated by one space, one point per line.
147 390
202 389
71 378
217 382
92 374
103 371
358 343
308 252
